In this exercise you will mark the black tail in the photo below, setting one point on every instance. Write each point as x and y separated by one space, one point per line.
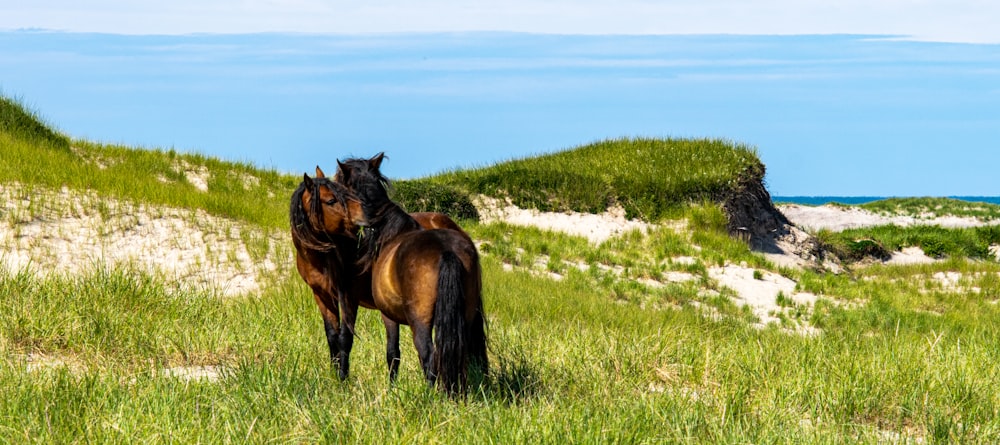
450 348
477 333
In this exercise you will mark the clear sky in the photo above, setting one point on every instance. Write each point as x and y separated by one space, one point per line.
907 104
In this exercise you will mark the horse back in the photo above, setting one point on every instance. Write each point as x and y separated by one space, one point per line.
405 277
434 220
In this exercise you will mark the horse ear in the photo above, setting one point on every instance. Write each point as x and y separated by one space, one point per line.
376 161
307 180
319 172
343 171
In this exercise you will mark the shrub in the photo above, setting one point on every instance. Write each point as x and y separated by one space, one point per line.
426 196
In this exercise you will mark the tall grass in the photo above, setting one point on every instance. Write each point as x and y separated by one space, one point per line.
569 365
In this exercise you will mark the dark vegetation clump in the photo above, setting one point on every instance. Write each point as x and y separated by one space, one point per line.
425 196
851 250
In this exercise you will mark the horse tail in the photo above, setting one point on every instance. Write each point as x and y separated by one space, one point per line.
477 332
450 342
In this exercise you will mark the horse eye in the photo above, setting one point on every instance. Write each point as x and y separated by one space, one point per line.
331 201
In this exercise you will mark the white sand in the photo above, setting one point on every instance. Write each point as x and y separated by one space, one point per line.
837 218
596 228
70 232
761 295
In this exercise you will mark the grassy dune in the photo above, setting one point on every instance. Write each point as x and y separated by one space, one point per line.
648 177
902 355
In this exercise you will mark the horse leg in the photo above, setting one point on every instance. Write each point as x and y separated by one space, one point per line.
331 324
346 337
331 340
391 347
425 350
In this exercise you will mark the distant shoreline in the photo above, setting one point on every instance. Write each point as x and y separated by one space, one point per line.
856 200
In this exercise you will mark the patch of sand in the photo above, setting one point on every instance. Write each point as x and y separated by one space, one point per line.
207 374
38 362
596 228
910 255
196 175
837 218
761 294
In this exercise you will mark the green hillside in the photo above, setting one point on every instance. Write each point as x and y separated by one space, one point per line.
658 335
648 177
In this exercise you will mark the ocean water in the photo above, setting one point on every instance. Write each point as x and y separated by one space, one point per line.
856 200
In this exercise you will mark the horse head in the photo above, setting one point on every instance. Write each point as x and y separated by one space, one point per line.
322 208
363 177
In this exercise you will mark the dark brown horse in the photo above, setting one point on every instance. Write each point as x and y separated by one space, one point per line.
323 216
427 279
326 253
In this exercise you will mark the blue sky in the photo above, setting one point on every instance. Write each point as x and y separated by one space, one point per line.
860 114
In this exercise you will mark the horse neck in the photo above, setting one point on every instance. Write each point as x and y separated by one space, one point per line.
386 222
391 221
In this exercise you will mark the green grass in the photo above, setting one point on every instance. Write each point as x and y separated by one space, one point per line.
595 357
935 241
569 364
235 190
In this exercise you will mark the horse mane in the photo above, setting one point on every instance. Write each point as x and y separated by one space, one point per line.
386 219
302 227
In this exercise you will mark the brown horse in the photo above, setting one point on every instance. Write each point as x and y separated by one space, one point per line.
326 252
427 279
323 216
